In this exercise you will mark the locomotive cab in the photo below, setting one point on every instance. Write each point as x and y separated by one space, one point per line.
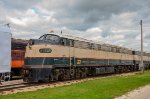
45 39
40 57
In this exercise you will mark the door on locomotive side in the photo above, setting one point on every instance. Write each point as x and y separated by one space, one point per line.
71 52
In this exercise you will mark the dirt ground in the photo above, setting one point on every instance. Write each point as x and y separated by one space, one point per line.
140 93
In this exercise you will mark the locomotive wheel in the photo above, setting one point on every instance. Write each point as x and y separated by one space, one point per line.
61 77
51 78
12 74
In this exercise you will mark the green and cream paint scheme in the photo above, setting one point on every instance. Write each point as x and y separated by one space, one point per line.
59 57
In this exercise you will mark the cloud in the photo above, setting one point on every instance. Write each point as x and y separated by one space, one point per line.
108 21
19 4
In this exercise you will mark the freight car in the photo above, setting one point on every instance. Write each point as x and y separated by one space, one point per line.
17 53
59 57
5 52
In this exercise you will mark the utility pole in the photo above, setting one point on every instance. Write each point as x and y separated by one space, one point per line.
141 65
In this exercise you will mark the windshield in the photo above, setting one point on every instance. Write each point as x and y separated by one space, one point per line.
42 37
52 38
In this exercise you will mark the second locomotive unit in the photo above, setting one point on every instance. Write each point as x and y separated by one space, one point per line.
17 55
59 57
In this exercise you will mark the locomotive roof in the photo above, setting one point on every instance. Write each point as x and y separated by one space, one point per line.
85 40
19 41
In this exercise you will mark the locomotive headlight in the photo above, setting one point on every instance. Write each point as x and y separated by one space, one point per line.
31 42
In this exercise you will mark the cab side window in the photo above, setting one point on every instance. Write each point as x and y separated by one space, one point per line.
64 41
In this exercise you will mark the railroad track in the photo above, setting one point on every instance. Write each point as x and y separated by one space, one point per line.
24 87
11 87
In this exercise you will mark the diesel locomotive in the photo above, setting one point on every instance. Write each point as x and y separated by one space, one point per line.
17 56
55 57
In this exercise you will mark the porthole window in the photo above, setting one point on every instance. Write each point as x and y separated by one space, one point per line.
45 50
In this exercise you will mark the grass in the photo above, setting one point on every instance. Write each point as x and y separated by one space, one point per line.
104 88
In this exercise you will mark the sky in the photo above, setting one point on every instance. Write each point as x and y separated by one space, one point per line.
115 22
